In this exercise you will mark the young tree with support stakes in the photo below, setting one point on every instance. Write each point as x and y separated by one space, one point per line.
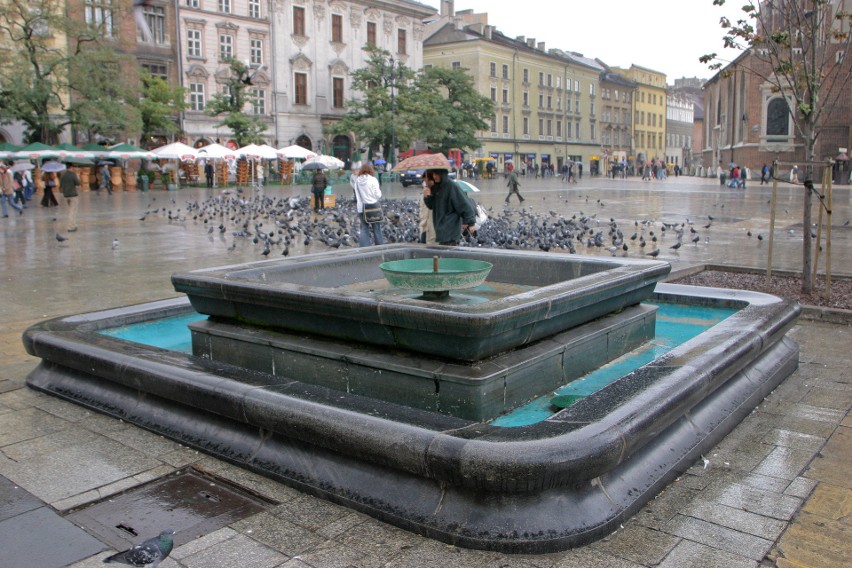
800 48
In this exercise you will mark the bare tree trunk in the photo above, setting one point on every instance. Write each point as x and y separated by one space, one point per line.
807 260
807 244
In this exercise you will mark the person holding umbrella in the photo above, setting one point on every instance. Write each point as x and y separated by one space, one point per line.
452 211
318 185
49 180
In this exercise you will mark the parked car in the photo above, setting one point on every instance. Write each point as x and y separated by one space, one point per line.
415 177
411 177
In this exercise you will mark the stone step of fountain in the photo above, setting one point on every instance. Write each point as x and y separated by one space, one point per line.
475 391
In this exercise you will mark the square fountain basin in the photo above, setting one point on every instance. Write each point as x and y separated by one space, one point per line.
343 295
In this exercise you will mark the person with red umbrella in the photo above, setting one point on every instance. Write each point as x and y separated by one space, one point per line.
452 211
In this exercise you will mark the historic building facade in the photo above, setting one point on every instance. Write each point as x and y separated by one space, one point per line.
649 112
546 101
301 53
617 94
747 120
680 117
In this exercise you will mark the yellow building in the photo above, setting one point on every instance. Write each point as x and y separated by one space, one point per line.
545 100
649 112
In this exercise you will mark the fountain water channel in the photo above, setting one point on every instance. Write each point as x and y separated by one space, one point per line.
318 372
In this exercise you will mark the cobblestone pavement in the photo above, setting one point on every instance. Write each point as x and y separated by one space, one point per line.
776 491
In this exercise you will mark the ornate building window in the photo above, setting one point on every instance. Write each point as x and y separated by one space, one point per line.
298 21
193 43
337 92
401 42
337 28
99 15
254 8
300 91
196 96
155 16
777 118
371 34
256 51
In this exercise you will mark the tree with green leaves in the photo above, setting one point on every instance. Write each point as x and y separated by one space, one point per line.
801 49
380 114
439 106
160 105
59 71
448 109
246 128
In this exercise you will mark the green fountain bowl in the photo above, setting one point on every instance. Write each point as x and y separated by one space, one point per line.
452 274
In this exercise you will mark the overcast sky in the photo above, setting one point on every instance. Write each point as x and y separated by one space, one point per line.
664 35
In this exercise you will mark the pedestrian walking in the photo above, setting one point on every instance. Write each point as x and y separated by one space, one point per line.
106 179
209 173
764 174
367 193
513 186
8 190
69 185
50 182
318 184
18 186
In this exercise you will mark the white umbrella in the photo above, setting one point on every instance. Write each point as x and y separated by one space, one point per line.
53 167
22 166
329 162
295 152
175 151
263 152
215 152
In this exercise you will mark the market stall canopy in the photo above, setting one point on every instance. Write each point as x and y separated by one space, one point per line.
330 162
175 151
96 149
295 152
129 152
424 162
263 152
215 152
36 151
71 151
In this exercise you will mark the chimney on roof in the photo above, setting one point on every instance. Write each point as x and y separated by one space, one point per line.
489 31
448 8
531 42
541 46
521 39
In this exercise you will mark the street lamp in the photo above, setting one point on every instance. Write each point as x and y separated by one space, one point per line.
391 74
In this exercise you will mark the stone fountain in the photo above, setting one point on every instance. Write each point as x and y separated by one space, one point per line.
319 372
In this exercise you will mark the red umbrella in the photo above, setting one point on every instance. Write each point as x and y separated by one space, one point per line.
424 162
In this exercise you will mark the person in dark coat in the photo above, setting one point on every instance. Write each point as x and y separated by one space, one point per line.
452 211
318 185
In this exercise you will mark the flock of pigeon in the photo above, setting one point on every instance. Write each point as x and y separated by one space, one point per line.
284 224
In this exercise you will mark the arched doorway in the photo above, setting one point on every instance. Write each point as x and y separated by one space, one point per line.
304 142
341 147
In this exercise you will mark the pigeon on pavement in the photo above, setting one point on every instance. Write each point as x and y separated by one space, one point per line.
149 553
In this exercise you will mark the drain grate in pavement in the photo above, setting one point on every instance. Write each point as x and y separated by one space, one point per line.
189 502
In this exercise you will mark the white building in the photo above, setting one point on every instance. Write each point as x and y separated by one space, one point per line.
305 51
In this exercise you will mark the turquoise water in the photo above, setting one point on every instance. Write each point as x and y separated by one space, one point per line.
676 324
166 333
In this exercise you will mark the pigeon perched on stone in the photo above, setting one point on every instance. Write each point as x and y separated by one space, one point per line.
149 553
